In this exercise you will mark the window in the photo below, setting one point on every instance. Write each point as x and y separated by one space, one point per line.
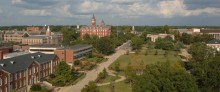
24 82
20 75
0 81
11 78
6 80
29 71
15 76
24 74
20 83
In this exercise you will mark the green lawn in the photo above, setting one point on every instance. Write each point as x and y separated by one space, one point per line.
119 87
141 59
109 78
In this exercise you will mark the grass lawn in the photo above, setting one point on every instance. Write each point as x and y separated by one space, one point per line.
109 78
141 59
119 87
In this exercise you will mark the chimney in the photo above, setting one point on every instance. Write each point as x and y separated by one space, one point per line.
1 55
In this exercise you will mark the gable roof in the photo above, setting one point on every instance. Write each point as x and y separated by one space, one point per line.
24 61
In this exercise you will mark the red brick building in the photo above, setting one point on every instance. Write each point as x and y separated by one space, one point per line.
101 30
19 73
33 29
68 54
5 50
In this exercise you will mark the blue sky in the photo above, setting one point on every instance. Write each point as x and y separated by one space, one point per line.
113 12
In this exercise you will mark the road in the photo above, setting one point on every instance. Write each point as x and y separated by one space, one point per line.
93 74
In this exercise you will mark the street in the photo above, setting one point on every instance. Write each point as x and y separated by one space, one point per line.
93 74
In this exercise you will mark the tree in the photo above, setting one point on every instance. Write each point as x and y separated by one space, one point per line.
35 87
200 51
91 87
63 73
104 46
136 42
69 36
165 44
166 28
164 77
186 38
207 74
117 66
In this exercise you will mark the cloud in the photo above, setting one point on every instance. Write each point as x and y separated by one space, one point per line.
164 8
1 11
41 12
64 11
117 8
16 1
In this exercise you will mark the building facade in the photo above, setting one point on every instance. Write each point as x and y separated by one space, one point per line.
68 53
47 38
155 37
214 44
33 29
19 73
215 33
101 31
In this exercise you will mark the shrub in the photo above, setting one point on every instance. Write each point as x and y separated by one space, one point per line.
35 87
52 76
77 62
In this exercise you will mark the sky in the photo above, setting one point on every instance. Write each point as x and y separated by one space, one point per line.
113 12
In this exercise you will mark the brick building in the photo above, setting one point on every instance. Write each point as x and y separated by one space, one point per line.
21 72
101 31
47 38
21 47
5 50
68 54
33 29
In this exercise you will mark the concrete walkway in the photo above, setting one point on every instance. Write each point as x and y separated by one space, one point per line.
122 78
93 74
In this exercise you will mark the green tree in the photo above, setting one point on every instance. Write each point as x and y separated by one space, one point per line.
117 66
136 43
91 87
104 46
164 77
207 74
63 73
166 28
69 36
186 38
200 51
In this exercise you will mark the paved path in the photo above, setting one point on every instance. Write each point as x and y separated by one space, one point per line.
93 74
119 80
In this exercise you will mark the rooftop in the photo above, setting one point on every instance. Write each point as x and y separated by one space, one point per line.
210 30
214 42
19 63
75 47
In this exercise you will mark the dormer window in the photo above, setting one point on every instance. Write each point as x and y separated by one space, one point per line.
12 62
39 55
32 57
2 65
